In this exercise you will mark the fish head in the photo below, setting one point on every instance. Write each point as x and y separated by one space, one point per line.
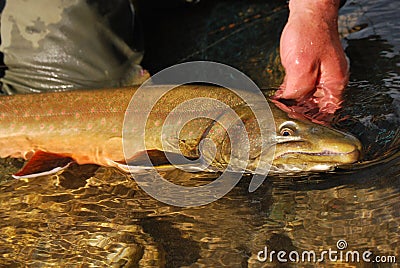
302 145
279 143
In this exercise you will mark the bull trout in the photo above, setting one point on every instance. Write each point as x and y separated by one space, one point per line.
50 130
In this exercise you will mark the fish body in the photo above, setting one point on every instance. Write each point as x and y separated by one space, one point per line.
86 126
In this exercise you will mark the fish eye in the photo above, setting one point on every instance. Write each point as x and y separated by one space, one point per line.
289 128
286 131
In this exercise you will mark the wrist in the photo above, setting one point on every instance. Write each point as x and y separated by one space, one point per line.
315 4
315 11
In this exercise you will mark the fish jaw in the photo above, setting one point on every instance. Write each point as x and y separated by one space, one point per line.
300 158
313 147
322 161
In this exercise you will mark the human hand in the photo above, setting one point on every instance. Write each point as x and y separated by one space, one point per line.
311 53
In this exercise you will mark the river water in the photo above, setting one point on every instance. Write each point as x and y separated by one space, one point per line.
91 216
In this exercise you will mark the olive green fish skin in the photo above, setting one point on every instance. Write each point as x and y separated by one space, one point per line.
76 124
87 126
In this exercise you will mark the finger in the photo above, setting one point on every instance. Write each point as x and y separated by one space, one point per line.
301 69
279 92
300 79
333 81
334 70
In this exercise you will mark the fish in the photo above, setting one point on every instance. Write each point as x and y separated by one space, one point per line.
52 130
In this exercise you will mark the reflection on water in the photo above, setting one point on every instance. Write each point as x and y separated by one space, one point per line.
98 217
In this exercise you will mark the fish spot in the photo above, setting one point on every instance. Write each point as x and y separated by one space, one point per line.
103 121
77 115
89 126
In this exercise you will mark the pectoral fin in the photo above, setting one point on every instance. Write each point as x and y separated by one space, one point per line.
43 163
155 158
158 158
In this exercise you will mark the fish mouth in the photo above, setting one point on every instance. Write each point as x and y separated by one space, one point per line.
313 161
324 156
